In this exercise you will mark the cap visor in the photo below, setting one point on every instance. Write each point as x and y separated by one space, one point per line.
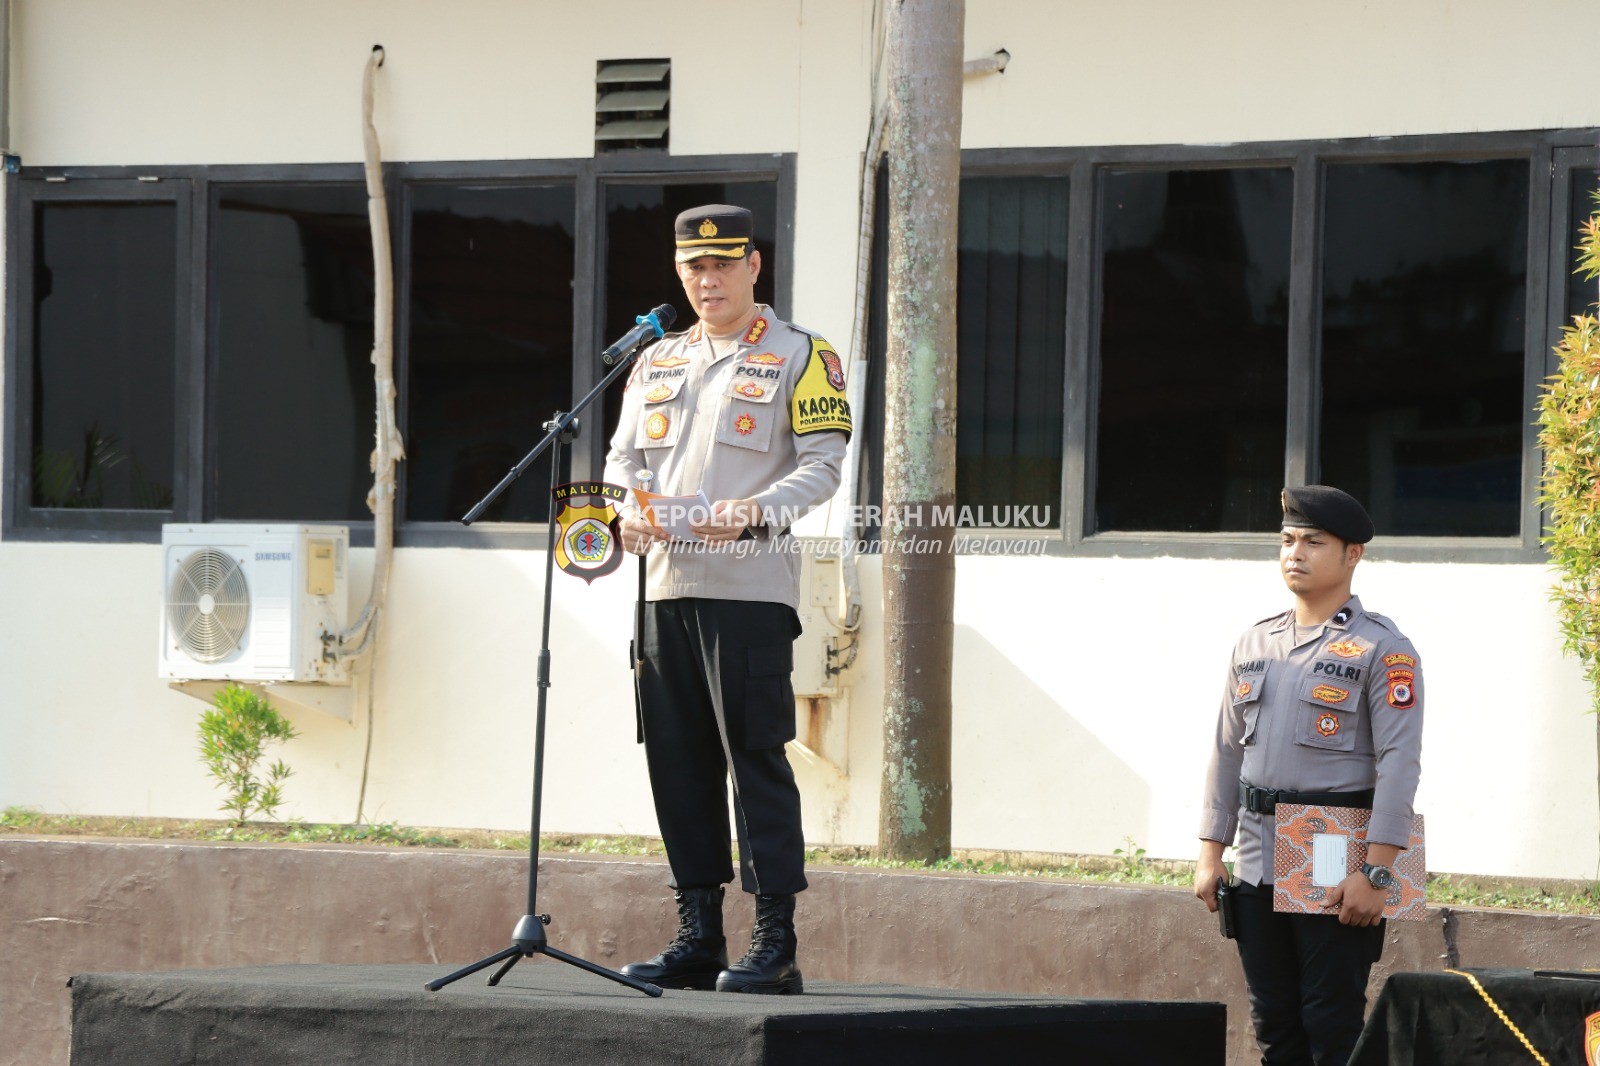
734 252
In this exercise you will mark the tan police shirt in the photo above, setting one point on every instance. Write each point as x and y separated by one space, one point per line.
763 417
1338 709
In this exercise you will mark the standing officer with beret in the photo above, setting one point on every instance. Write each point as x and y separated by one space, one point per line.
1323 704
750 410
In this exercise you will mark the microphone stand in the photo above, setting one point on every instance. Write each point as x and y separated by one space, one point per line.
528 938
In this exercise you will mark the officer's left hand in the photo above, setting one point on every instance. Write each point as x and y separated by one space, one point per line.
729 518
1358 902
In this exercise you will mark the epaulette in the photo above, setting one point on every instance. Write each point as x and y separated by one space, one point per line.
1385 623
1273 618
807 332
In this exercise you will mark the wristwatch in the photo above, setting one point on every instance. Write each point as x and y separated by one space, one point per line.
1377 876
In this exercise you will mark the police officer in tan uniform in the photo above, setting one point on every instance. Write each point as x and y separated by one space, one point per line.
750 410
1322 704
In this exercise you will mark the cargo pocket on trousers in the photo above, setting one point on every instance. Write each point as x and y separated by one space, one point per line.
769 698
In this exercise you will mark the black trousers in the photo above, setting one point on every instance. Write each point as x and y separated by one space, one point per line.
1307 978
718 702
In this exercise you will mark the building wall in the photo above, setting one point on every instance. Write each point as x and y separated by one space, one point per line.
1085 689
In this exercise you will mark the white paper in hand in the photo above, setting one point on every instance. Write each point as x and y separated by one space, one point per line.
675 514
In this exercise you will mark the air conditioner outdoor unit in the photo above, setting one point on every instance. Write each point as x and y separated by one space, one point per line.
253 602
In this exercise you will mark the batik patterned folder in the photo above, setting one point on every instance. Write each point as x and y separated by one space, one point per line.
1304 829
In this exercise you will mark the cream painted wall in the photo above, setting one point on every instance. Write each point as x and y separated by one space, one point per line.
1259 70
1085 688
1085 698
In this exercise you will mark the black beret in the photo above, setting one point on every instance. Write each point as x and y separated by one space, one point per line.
721 230
1327 508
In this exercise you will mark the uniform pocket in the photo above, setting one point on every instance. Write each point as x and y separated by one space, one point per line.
769 697
1330 713
1247 688
658 427
744 424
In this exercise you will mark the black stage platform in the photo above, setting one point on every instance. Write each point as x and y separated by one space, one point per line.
1443 1019
547 1012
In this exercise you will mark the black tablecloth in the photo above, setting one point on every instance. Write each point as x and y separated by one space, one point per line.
1440 1019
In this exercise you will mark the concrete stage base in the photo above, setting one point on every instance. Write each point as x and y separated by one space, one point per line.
545 1011
75 905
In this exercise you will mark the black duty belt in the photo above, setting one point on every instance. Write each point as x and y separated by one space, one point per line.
1266 800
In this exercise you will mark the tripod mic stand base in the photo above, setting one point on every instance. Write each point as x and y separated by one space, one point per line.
528 939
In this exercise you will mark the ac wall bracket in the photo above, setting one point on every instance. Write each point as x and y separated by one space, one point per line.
336 700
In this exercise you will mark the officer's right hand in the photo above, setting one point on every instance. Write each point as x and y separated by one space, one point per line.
1206 871
638 534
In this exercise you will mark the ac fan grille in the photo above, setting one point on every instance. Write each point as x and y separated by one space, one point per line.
208 605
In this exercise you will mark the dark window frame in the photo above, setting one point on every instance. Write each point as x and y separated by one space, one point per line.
1551 155
191 187
22 520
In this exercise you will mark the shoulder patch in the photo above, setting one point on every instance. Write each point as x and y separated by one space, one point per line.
819 402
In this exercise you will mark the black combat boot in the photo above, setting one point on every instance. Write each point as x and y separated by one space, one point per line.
768 967
698 952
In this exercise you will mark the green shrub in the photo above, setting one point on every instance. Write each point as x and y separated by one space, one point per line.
234 734
1569 436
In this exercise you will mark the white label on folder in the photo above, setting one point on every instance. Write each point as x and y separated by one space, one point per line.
1329 852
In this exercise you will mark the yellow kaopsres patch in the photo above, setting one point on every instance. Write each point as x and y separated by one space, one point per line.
819 402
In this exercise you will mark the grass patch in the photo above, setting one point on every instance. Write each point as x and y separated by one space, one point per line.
1126 865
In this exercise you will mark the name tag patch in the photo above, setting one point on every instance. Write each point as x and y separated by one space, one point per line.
1329 668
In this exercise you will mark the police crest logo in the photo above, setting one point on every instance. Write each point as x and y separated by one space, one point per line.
587 545
750 389
655 427
744 425
1242 691
835 369
1591 1039
1328 724
1402 694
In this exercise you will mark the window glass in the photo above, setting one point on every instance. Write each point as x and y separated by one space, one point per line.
104 331
639 270
1423 318
1011 319
292 392
1011 347
490 357
1190 425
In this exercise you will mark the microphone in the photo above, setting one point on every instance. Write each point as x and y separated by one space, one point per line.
650 327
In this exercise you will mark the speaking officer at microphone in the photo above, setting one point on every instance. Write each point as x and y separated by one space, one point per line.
1322 704
750 410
